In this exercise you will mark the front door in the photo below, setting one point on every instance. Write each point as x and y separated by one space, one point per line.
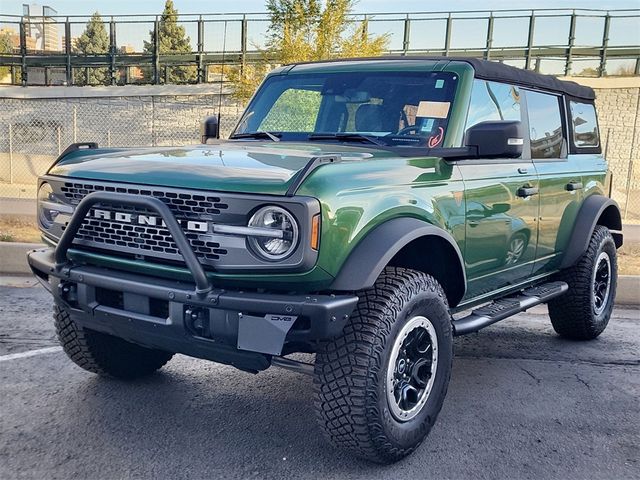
501 201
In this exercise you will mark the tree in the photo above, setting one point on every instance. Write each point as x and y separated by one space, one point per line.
93 41
305 30
6 46
172 39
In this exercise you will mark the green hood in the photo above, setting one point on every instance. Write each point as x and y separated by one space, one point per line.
251 167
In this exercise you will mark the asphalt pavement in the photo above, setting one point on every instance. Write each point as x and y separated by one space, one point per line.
522 404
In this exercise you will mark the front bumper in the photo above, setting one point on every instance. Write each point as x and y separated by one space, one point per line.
244 329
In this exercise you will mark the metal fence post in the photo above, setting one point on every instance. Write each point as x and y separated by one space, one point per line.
67 51
200 56
447 38
10 154
532 24
572 38
23 53
156 52
75 124
605 44
113 51
243 41
487 53
59 134
406 35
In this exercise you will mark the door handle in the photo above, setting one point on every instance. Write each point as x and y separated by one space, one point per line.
473 223
573 186
522 170
527 191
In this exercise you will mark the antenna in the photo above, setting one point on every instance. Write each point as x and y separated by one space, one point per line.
224 49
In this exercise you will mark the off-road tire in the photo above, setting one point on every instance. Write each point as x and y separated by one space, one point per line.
350 371
573 315
105 354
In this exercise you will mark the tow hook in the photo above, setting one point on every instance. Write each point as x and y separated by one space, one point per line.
196 320
68 292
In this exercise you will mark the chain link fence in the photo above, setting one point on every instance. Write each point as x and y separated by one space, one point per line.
33 131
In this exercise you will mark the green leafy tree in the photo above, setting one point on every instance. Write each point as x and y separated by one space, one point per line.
93 41
5 47
172 39
307 30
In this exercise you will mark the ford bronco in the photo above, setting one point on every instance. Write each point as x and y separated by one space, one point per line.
365 211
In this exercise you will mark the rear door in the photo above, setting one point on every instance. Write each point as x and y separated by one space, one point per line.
559 176
501 226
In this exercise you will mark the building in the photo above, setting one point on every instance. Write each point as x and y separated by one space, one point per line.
14 36
42 27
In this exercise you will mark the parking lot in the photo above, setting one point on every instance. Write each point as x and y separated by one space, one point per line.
522 404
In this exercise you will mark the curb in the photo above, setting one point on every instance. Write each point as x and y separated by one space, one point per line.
628 292
13 261
13 257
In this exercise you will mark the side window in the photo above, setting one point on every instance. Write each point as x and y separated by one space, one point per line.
295 110
493 101
545 125
584 125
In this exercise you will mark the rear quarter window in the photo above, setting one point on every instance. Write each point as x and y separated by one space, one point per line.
584 125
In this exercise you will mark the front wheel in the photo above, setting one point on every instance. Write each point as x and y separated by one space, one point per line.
381 384
584 311
103 354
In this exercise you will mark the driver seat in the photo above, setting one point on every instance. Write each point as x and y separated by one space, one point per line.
375 118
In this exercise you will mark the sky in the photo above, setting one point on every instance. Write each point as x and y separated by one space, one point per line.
113 7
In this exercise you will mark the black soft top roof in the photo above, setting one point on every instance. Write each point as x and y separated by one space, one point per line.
506 73
488 70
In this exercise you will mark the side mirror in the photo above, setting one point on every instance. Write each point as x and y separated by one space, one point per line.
493 139
500 208
210 129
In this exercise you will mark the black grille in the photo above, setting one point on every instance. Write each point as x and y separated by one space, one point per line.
147 240
183 204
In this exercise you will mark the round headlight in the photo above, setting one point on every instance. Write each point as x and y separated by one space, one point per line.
278 235
46 215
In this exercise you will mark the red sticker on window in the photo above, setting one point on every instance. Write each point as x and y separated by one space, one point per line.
436 140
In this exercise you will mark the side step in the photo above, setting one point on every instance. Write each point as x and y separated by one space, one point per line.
507 307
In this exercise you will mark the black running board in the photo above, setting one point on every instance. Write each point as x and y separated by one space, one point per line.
507 307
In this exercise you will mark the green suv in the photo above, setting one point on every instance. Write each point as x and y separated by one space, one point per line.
357 206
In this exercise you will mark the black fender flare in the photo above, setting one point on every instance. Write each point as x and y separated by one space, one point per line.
589 215
374 252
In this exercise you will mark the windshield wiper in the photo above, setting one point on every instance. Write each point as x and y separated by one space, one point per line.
356 137
271 136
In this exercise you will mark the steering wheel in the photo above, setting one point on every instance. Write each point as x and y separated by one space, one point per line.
408 129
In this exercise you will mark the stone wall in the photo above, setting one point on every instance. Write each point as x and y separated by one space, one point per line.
618 104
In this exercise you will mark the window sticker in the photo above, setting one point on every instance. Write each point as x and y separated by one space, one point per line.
435 140
428 125
439 83
433 109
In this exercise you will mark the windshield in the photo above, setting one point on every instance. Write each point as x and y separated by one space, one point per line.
386 108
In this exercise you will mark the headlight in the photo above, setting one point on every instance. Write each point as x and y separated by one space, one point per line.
279 236
49 207
46 199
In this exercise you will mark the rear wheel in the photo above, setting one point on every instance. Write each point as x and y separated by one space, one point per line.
381 384
105 354
584 311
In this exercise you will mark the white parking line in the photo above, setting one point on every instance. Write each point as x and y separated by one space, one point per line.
29 353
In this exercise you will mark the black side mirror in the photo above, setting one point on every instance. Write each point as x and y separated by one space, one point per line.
500 208
493 139
210 129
